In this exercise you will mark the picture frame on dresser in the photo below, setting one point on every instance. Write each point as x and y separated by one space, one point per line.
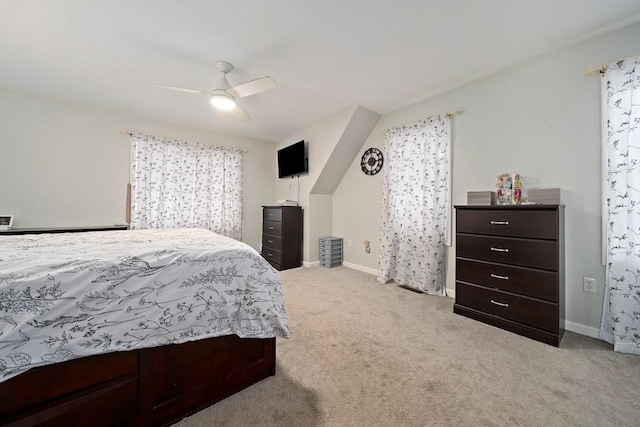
510 268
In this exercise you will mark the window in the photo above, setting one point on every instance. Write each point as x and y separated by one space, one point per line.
183 184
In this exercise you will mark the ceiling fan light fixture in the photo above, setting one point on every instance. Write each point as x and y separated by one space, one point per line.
223 101
223 96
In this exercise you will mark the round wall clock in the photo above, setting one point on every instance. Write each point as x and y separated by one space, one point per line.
371 162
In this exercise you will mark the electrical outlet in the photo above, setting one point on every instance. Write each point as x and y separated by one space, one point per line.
349 242
589 284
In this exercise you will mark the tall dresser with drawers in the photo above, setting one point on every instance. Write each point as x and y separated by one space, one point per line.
282 236
510 268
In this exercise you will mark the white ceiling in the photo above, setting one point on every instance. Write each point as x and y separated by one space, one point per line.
325 55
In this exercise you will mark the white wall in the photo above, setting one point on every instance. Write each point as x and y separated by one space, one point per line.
331 145
68 165
321 140
321 216
541 119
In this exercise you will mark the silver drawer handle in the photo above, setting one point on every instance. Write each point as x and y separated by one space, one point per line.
499 222
499 250
495 276
270 241
501 304
270 228
270 254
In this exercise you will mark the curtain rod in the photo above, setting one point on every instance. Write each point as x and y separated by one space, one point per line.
590 71
130 133
449 114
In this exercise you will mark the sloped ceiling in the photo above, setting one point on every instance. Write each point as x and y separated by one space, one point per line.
325 55
355 134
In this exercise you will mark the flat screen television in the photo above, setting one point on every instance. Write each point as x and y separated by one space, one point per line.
292 160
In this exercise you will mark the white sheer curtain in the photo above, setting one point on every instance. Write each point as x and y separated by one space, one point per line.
183 184
416 205
621 111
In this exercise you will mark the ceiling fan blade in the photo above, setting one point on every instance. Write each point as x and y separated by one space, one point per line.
252 87
241 114
181 89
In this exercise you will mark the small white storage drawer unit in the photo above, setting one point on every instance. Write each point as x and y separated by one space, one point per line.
330 251
509 268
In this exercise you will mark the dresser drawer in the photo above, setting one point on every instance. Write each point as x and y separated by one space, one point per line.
272 228
272 255
529 311
539 224
527 281
522 252
272 214
272 242
274 265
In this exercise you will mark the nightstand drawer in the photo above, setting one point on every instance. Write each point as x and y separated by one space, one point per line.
272 255
272 214
272 242
272 228
503 222
521 280
529 311
522 252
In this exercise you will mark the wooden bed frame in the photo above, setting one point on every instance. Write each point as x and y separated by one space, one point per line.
147 387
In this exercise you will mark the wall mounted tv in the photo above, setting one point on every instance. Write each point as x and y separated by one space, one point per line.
292 160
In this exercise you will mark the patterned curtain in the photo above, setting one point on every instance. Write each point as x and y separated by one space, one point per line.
621 110
416 205
182 184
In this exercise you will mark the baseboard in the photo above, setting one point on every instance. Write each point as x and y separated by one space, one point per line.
360 268
451 293
581 329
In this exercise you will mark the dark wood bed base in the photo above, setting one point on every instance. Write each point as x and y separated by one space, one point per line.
148 387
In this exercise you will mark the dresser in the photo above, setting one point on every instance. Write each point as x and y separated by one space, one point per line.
282 236
510 268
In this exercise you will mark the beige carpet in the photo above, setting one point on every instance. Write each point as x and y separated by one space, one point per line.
365 354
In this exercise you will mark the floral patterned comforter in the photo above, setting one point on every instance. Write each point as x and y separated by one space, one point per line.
70 295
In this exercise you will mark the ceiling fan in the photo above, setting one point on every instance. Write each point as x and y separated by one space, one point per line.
223 96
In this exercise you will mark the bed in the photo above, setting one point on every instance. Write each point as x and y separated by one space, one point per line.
136 327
